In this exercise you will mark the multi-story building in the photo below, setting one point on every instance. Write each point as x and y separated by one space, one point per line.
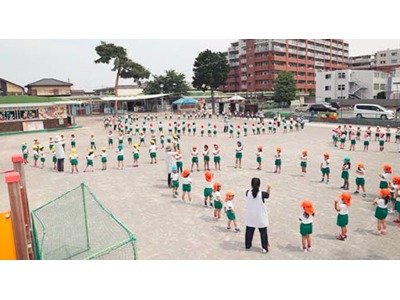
362 62
350 84
394 85
387 60
255 63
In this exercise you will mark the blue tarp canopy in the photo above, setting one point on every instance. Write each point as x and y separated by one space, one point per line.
185 101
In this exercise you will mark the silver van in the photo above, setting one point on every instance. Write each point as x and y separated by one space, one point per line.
374 111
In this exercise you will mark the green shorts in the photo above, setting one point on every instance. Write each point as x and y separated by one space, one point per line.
179 165
25 156
343 140
175 183
381 213
195 160
360 181
73 144
217 159
104 160
110 141
208 192
306 229
342 220
366 143
325 171
74 162
218 204
345 175
353 142
383 185
89 162
278 162
42 159
303 164
259 159
120 157
239 155
231 215
186 187
381 143
153 154
136 155
54 159
397 206
206 158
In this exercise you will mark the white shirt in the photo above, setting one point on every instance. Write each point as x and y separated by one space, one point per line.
216 152
208 184
186 180
305 220
381 203
103 154
256 211
153 149
217 195
90 156
258 154
278 156
326 163
343 209
229 205
170 160
121 152
361 174
239 149
195 153
60 153
206 152
303 158
175 176
385 177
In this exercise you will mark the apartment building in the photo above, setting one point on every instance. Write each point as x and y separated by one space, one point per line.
387 60
255 63
350 84
362 62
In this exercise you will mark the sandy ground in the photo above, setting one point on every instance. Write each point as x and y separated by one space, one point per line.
167 228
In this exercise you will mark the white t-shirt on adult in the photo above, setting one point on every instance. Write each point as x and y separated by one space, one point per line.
256 211
60 153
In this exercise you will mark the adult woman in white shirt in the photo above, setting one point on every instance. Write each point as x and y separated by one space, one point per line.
170 161
60 153
256 214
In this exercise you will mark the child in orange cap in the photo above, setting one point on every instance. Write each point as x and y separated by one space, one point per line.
278 160
303 161
186 185
396 196
360 179
195 158
259 156
385 177
394 187
343 214
217 200
208 188
230 212
306 225
325 168
381 211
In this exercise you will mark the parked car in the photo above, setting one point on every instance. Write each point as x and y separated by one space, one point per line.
321 107
374 111
302 108
335 105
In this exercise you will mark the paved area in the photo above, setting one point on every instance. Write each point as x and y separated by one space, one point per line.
169 229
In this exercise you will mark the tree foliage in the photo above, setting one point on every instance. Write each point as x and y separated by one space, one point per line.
285 87
122 64
173 83
210 72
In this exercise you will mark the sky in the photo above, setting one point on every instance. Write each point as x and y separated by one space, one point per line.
23 61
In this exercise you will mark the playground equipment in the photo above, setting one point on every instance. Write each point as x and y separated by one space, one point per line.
75 225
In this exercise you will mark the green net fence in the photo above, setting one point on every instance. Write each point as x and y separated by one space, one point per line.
77 226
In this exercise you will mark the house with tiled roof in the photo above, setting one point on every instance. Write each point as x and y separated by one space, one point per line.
48 87
8 88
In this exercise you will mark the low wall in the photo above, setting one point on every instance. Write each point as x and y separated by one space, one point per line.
11 126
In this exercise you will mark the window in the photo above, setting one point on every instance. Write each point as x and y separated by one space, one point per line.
327 88
376 86
341 87
327 76
382 62
328 99
394 53
383 55
383 86
393 61
342 75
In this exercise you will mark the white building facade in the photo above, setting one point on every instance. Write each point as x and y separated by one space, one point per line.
350 84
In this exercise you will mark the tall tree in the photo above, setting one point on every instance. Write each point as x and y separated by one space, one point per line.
173 83
210 72
109 52
135 71
285 87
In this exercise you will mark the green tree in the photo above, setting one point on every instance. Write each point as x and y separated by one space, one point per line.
285 87
135 71
210 72
173 83
111 52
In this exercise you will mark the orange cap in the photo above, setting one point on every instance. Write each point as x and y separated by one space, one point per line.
185 173
387 168
229 195
396 179
305 152
259 148
361 165
326 154
194 147
346 197
208 176
308 207
216 185
385 192
278 149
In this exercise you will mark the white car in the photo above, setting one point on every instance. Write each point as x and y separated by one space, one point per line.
302 108
374 111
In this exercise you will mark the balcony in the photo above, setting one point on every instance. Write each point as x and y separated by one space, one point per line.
261 49
279 58
280 49
243 78
243 87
